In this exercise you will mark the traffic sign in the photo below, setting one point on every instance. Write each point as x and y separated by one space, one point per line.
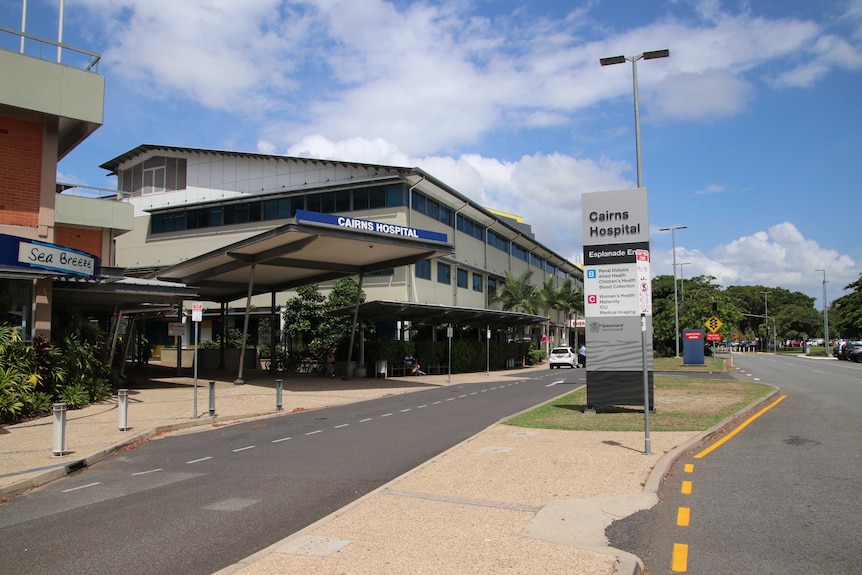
197 311
713 337
713 324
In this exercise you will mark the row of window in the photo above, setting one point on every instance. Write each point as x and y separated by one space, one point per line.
340 201
444 276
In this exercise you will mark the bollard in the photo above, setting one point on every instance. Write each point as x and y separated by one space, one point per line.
278 384
123 409
212 398
59 429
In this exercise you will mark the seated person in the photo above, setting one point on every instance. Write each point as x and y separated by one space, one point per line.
413 363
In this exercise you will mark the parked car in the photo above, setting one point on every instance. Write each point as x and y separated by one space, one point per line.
563 356
853 352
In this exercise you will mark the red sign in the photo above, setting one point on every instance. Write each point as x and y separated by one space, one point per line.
693 335
713 337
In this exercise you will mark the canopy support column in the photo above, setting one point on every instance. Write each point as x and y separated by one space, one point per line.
239 380
346 375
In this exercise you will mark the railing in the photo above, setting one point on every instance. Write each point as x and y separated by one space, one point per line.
9 38
80 191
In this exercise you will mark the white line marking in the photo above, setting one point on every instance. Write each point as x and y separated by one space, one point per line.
146 472
386 415
198 460
280 440
452 398
82 487
342 425
244 448
366 419
436 402
314 432
421 406
406 410
465 395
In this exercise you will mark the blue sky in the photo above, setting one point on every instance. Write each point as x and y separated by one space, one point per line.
750 130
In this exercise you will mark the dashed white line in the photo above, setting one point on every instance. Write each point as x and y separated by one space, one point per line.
280 440
244 448
198 460
386 415
421 406
146 472
406 410
366 419
314 432
452 398
342 425
436 402
82 487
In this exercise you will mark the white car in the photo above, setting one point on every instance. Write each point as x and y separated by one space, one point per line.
563 356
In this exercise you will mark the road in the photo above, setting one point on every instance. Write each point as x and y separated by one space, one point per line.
779 497
195 503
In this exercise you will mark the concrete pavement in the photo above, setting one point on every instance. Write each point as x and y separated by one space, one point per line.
508 500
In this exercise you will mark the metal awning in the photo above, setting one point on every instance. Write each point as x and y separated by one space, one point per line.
424 313
313 248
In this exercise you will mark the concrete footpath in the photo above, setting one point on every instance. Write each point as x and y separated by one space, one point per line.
508 500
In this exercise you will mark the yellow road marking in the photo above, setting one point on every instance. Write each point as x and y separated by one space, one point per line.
686 487
727 437
689 467
679 563
683 515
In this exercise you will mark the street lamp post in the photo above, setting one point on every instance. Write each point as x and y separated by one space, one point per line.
825 317
766 314
634 60
672 230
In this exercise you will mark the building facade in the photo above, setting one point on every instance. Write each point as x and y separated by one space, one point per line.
189 201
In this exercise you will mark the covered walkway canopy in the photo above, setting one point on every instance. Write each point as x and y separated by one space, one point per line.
424 313
313 248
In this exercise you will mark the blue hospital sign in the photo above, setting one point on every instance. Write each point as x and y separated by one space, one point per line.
369 226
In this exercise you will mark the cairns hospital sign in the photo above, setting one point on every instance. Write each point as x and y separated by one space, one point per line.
617 296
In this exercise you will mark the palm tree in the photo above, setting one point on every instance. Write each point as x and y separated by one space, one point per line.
571 298
518 293
549 298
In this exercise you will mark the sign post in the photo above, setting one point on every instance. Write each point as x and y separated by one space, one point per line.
197 316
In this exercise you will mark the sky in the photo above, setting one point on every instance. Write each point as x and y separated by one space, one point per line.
750 129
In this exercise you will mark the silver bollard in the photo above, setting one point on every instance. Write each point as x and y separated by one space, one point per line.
278 386
59 429
123 409
212 398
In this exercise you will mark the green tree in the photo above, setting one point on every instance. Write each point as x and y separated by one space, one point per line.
548 299
518 293
794 320
848 309
303 313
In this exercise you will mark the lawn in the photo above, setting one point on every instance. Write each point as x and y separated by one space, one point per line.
681 404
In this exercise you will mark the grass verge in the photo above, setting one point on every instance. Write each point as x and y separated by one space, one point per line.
682 404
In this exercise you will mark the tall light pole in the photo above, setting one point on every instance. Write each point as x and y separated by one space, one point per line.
766 314
672 230
825 316
634 60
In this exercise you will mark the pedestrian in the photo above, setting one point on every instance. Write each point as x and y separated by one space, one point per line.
582 356
329 359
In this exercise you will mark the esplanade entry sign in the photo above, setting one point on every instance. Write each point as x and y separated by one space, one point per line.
617 296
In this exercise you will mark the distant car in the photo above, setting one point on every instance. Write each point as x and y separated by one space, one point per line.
563 356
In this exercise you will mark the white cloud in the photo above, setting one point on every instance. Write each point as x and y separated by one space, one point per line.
779 256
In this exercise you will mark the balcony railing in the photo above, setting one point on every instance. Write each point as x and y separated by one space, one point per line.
45 49
91 192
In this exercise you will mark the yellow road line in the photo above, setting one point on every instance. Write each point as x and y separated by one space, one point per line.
686 487
689 467
683 516
727 437
679 563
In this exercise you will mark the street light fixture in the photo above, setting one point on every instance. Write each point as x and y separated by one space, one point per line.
634 60
672 230
825 317
766 313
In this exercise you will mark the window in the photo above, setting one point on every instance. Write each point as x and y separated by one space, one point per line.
423 269
444 273
492 287
477 282
154 180
537 262
470 228
461 278
519 252
497 241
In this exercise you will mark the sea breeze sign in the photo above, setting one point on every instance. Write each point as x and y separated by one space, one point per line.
22 252
617 292
370 226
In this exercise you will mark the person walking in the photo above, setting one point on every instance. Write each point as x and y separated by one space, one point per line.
582 356
329 359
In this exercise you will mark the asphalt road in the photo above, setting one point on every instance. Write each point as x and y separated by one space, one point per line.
779 497
194 503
